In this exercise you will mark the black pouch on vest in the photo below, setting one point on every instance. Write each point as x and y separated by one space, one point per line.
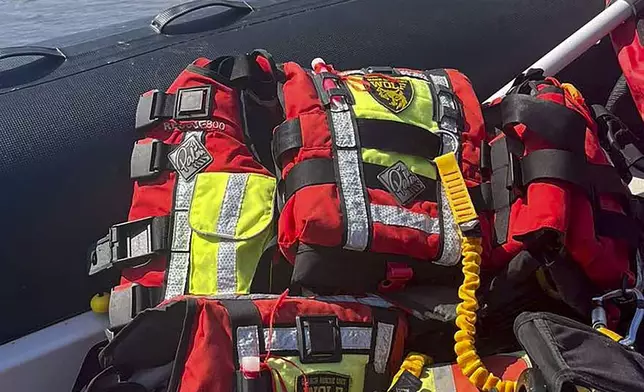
570 353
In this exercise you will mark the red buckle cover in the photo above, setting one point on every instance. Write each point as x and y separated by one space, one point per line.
398 274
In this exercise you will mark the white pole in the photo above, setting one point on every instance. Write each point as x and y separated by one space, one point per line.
581 40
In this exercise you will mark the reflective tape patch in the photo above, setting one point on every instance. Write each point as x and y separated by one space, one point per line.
283 339
397 216
354 200
413 74
439 80
140 243
345 135
183 194
247 342
177 274
227 267
384 337
226 226
181 232
353 338
451 254
231 205
179 260
443 378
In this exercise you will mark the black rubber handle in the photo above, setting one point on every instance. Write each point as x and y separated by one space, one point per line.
19 51
162 19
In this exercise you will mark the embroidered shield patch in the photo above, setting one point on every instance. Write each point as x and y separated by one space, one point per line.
190 157
401 182
324 382
394 94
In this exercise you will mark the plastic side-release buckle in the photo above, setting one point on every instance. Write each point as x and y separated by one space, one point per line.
145 113
148 160
398 274
319 339
130 244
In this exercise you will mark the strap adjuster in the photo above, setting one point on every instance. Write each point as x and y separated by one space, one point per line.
319 339
130 244
149 159
398 274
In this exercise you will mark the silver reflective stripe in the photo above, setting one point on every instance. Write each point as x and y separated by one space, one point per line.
139 243
354 200
283 339
179 260
350 184
353 338
397 216
226 226
227 266
440 80
120 307
443 378
247 342
413 74
384 337
181 232
231 205
451 253
345 135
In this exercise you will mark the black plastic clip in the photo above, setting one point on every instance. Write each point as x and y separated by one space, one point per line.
319 339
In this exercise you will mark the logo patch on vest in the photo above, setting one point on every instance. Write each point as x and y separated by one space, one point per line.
324 382
190 157
401 182
394 94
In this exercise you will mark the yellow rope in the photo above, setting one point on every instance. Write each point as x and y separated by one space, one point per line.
463 210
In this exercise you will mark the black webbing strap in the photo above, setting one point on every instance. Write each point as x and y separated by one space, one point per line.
569 167
320 171
615 225
375 381
242 313
481 197
503 179
379 134
553 164
127 303
287 136
398 137
559 125
153 107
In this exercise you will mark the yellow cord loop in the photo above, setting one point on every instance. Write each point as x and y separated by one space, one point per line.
463 210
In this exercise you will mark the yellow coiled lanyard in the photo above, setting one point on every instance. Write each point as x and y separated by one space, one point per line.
465 216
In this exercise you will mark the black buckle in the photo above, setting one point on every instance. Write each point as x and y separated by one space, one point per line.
380 70
193 103
148 160
145 113
319 339
129 244
448 109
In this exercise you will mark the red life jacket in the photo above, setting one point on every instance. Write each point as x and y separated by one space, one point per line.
344 224
197 129
256 343
553 189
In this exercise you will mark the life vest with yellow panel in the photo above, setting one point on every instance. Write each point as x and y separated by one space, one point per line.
256 343
202 213
362 206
